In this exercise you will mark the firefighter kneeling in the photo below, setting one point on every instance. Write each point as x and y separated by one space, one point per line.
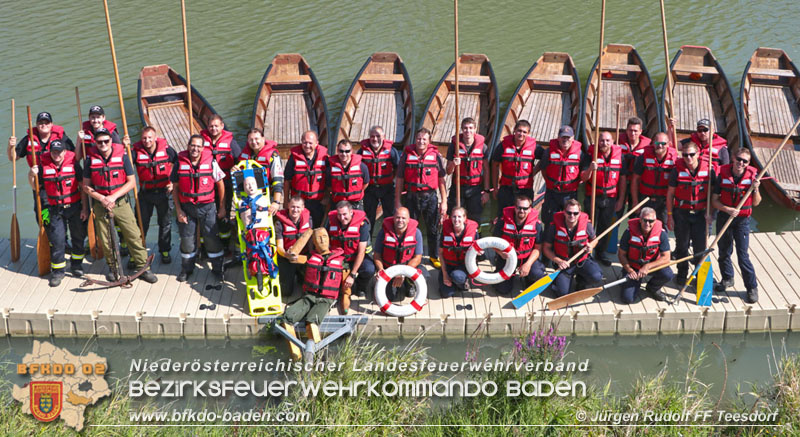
643 247
458 235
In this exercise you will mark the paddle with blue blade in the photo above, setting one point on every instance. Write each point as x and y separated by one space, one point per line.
539 286
705 282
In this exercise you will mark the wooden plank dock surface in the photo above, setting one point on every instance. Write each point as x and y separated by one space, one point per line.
199 308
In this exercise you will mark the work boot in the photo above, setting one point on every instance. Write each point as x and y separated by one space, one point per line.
123 250
112 276
603 259
149 277
217 269
411 290
165 258
76 267
183 276
658 295
719 287
56 277
131 266
752 295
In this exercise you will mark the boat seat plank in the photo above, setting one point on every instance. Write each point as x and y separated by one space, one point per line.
163 91
622 67
695 101
682 68
544 110
300 78
552 78
785 169
382 78
377 108
465 78
772 110
288 116
469 106
629 97
772 72
172 122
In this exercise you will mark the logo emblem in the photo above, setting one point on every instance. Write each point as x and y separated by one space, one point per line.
46 400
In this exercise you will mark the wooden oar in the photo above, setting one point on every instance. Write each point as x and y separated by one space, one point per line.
580 296
457 145
537 287
42 242
197 238
668 96
616 138
122 113
96 250
710 179
597 105
742 201
14 224
613 240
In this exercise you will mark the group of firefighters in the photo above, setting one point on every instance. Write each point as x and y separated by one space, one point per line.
410 186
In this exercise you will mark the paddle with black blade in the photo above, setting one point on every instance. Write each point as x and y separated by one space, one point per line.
539 286
42 242
580 296
124 280
14 224
741 202
96 250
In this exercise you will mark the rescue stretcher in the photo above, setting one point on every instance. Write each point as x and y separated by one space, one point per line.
263 289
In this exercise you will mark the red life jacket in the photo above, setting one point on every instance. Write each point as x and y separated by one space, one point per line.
346 239
196 185
109 175
263 157
324 274
397 249
292 230
628 152
56 133
523 239
346 184
309 179
654 180
732 190
381 168
221 149
88 132
608 172
516 166
563 173
153 170
60 182
640 250
471 160
691 190
454 248
565 247
421 171
717 143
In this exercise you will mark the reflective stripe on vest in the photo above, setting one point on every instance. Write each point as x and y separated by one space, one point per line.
323 274
196 183
608 172
380 165
654 180
471 168
691 190
107 176
60 182
421 171
516 166
563 171
732 189
153 170
396 249
522 239
641 251
346 238
454 247
564 245
221 149
346 184
292 230
308 180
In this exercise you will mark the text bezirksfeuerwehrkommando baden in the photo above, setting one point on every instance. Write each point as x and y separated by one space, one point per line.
279 365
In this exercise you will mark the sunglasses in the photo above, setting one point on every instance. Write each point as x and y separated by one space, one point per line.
649 221
659 143
702 129
572 213
102 141
689 155
742 160
346 151
523 208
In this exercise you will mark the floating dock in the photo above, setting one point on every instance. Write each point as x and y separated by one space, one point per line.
199 308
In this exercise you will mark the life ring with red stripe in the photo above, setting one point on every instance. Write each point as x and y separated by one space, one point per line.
385 276
478 248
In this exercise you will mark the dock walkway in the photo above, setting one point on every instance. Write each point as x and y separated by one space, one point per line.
197 308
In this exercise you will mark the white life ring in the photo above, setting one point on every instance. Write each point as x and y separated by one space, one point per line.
490 243
385 276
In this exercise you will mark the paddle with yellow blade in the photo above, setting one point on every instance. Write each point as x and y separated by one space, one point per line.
96 250
579 296
42 242
539 286
14 224
742 201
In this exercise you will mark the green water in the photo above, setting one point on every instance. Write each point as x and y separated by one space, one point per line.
50 47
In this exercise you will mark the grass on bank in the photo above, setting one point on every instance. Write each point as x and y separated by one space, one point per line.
498 415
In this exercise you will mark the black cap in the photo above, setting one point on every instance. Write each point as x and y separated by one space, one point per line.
566 131
57 145
96 109
101 131
44 116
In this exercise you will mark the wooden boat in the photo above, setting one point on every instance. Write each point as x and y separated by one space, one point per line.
770 97
289 102
548 97
163 105
477 99
625 82
380 94
701 90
